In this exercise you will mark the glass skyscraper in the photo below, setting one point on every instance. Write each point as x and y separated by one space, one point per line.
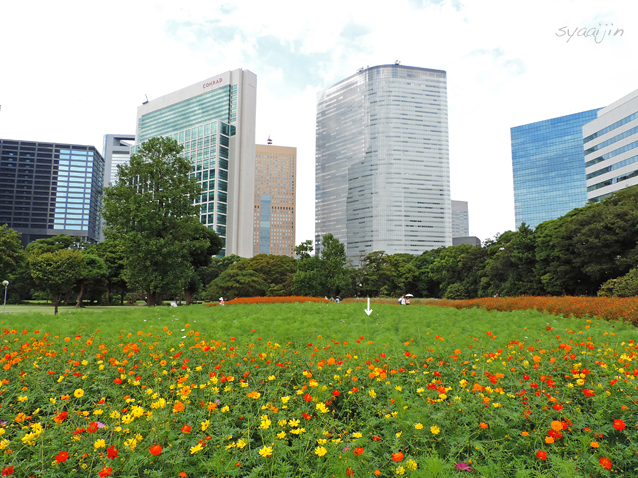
382 162
48 189
548 163
611 148
215 122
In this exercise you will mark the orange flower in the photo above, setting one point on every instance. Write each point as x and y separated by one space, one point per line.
594 444
357 451
397 456
349 472
155 450
605 463
178 407
483 425
556 425
549 440
525 434
619 425
183 474
186 429
377 472
541 455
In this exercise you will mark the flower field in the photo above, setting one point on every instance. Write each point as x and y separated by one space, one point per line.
317 389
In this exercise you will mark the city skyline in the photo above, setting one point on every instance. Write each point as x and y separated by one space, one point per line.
500 73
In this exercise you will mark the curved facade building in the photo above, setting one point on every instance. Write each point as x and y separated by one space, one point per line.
382 162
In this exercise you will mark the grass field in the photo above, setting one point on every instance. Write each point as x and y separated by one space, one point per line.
316 390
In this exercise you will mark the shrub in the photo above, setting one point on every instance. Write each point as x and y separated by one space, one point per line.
455 292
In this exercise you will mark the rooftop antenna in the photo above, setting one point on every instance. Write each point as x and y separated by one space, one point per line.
397 62
269 140
146 99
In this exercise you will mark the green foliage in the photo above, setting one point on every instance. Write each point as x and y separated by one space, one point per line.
233 283
151 211
57 272
275 270
456 291
13 261
625 286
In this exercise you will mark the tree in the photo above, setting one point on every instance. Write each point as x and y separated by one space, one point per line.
112 253
233 283
151 210
93 272
275 270
217 265
12 256
55 243
57 272
333 264
204 244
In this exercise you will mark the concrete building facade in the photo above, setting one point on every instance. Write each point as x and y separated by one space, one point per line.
460 219
116 152
548 168
382 162
611 148
275 200
214 120
47 189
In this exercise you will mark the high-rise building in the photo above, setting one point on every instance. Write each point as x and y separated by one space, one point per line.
214 120
548 166
116 152
48 189
382 161
274 213
611 148
460 219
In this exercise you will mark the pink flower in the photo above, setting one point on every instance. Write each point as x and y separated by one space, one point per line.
463 467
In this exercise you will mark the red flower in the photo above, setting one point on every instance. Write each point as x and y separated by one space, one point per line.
307 397
397 456
112 452
349 472
62 457
186 429
61 417
106 471
357 451
7 471
558 407
92 428
155 450
306 416
588 393
619 425
336 393
605 463
376 438
118 380
541 455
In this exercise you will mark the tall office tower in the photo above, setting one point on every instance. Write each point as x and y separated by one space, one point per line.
460 219
48 189
611 148
215 122
274 216
116 152
548 166
382 162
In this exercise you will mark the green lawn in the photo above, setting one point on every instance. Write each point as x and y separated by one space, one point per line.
317 390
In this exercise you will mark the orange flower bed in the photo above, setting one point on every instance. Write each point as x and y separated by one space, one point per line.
272 300
608 308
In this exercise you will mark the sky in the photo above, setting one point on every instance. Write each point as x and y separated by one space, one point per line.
75 71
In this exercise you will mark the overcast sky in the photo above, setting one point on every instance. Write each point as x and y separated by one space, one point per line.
74 71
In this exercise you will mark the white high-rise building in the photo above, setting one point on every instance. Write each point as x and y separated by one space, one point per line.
382 162
611 148
214 120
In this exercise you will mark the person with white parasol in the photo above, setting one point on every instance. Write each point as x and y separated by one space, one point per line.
407 298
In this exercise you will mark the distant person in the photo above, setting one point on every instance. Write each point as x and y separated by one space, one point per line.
221 301
402 300
407 301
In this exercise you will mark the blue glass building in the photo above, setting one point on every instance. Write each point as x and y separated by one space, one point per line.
548 162
48 189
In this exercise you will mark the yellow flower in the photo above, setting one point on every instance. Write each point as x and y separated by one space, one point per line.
196 448
418 426
435 430
98 412
22 398
298 431
398 388
265 422
272 377
52 400
266 451
131 443
400 470
127 419
99 444
356 435
322 441
320 451
284 400
411 465
281 435
205 425
293 423
399 434
241 443
79 393
282 423
114 415
4 444
225 409
372 393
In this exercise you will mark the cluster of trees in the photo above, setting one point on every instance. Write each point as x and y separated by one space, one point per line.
156 248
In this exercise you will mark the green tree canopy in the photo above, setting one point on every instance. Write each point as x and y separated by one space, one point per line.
57 272
151 210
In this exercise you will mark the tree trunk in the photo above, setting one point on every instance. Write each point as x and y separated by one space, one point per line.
122 295
108 293
188 296
150 298
56 302
67 299
80 296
